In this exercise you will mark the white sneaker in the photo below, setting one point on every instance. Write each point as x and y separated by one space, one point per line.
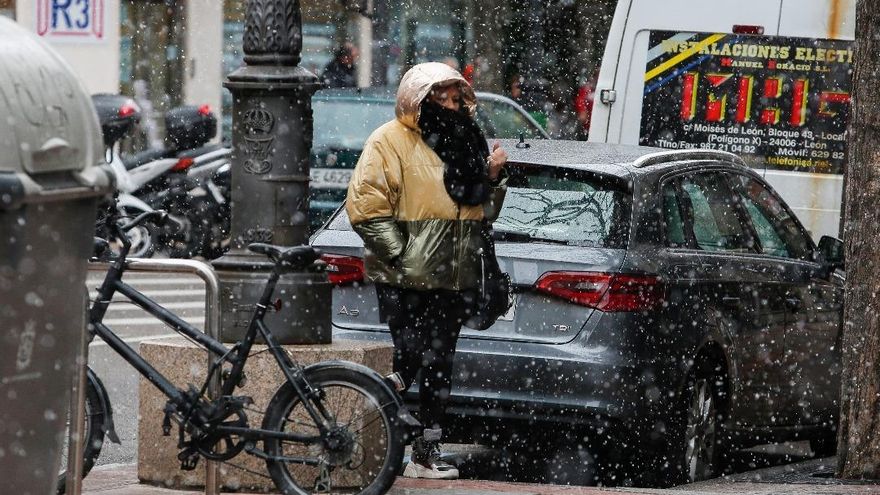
425 461
438 470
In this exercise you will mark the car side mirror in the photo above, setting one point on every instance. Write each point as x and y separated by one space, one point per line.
831 252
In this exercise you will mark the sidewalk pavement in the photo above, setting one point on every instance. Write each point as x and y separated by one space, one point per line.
813 477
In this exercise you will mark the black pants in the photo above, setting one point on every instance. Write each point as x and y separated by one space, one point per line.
424 325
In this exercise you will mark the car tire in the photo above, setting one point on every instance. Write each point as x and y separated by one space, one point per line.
571 465
699 446
825 445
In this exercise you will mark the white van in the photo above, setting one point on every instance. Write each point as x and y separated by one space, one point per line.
769 80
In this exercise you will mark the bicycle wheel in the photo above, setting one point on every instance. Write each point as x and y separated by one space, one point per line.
93 433
368 444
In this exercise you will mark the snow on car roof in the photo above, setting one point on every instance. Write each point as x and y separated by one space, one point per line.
616 159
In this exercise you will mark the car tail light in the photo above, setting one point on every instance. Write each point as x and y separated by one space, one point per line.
182 164
344 270
610 292
205 110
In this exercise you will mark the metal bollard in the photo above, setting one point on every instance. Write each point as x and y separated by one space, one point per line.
77 416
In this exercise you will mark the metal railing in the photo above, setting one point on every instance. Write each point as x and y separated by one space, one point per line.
212 329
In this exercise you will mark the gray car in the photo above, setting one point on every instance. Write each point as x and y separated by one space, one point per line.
668 308
345 118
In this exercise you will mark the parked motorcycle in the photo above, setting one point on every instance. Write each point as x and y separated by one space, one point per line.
188 191
118 116
197 201
172 178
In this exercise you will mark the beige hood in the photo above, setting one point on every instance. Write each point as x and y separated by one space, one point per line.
417 83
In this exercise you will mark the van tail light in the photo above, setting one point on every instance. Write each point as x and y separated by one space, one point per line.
747 29
344 270
610 292
182 164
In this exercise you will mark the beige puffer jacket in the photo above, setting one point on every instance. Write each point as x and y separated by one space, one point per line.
415 235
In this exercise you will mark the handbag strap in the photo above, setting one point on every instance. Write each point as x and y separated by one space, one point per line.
486 234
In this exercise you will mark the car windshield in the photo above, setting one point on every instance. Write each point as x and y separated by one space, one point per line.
342 124
563 206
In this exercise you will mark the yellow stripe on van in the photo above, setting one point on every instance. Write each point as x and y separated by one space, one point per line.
656 71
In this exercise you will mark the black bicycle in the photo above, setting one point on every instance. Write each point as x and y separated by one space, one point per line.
334 426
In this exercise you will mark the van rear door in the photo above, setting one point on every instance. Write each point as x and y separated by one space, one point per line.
769 81
627 52
828 19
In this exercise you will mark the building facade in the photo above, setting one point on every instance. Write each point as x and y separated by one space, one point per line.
171 52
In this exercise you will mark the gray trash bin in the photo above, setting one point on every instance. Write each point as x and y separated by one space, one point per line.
50 182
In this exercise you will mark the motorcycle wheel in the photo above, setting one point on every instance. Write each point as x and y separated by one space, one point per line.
183 237
142 242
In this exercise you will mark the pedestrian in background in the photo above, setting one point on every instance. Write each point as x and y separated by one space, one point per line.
514 90
339 72
418 196
583 104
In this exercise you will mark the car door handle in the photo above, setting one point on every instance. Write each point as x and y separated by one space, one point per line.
793 303
730 301
688 271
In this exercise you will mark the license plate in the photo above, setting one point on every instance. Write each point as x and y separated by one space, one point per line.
329 178
510 312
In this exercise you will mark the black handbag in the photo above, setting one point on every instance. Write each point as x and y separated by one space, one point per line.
494 294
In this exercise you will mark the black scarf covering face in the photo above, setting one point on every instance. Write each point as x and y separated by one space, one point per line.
460 143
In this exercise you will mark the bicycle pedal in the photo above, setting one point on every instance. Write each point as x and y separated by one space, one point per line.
189 459
166 421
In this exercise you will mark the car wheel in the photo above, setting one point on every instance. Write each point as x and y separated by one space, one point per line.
702 431
700 443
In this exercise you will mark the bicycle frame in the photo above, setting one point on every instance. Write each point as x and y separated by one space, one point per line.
237 356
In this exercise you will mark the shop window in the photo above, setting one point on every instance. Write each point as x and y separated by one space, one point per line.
154 77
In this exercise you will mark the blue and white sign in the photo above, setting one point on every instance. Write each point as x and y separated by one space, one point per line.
71 20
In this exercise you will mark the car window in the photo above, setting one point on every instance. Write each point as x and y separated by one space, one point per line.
777 230
345 124
672 216
711 207
503 121
555 205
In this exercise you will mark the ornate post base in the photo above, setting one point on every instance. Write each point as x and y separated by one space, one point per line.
304 313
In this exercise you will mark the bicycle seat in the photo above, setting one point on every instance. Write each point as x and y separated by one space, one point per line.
296 257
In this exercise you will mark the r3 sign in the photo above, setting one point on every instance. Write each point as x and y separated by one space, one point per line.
71 20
